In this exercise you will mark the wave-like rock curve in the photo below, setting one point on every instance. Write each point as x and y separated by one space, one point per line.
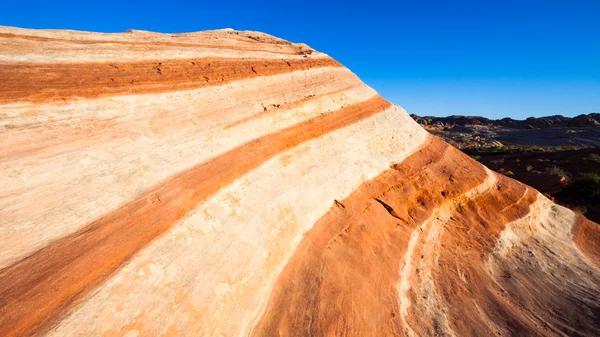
227 183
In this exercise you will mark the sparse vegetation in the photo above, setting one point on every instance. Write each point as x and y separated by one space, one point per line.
594 157
556 171
565 148
584 192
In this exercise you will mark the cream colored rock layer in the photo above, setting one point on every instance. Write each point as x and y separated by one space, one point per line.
104 152
211 275
27 45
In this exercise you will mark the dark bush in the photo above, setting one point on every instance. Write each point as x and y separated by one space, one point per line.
584 190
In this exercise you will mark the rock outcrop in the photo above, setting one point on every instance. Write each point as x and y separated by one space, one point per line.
556 121
228 183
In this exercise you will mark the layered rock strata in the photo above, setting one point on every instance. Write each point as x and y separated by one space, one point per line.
229 183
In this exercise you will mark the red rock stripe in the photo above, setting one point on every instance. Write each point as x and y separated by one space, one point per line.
586 235
460 276
37 291
342 279
58 82
253 45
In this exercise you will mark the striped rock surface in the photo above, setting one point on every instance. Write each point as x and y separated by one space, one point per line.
227 183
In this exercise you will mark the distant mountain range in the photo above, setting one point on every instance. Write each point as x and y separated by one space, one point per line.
588 120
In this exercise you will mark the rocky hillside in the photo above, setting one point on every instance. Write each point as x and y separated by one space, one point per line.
556 121
227 183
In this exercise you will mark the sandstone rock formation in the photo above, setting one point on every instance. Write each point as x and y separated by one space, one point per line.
228 183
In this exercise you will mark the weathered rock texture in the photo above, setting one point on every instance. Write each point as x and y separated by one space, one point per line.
230 183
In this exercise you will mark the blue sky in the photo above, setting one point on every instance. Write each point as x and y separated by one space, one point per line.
490 58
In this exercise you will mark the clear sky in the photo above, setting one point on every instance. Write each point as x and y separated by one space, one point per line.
489 58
